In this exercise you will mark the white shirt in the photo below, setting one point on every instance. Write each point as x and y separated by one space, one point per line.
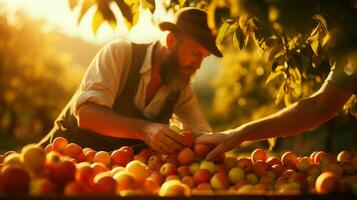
106 76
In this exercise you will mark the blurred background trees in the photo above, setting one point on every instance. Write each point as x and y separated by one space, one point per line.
37 77
275 53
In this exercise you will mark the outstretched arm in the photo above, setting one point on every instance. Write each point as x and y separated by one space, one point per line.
301 116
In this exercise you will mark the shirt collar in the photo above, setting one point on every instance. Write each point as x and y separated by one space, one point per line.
147 64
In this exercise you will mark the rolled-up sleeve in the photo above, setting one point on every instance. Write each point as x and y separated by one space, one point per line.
105 75
188 113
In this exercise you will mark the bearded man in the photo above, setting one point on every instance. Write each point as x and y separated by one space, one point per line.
131 91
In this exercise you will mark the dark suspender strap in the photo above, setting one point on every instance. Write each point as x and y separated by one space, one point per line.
169 108
137 58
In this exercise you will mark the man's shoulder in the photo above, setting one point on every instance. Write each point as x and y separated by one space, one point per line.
118 43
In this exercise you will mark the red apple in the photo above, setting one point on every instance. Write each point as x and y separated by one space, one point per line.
289 159
303 164
201 149
300 179
259 168
154 162
220 181
348 167
246 164
208 165
138 170
105 185
76 188
168 169
259 154
59 144
85 174
42 186
89 155
186 156
327 182
202 176
183 171
121 157
236 174
188 137
313 170
102 157
188 180
272 161
63 172
14 180
125 181
73 150
343 155
230 162
33 157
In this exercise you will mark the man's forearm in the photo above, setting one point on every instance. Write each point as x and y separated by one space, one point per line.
287 122
299 117
104 121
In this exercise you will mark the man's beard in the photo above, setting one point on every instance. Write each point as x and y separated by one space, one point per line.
171 75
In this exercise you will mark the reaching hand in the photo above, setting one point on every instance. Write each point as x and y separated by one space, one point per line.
162 139
225 143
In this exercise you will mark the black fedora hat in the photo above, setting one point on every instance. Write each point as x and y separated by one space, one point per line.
193 22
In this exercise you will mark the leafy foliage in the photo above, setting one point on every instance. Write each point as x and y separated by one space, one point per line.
104 11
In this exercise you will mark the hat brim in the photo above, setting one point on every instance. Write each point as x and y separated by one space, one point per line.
206 41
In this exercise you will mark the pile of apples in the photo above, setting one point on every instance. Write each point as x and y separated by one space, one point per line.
64 168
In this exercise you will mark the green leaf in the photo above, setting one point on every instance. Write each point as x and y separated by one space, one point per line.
175 128
226 28
314 43
107 13
97 21
130 11
292 73
287 99
211 14
182 2
322 20
298 73
86 4
72 4
296 89
280 94
280 68
273 75
148 4
238 38
272 142
273 50
125 10
326 39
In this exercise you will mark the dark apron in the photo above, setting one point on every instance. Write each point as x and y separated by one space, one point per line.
66 124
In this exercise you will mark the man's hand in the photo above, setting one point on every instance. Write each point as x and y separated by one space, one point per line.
162 139
224 141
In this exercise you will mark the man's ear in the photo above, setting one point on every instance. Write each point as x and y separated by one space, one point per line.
171 41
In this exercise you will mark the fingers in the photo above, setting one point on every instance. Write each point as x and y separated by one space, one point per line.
175 136
215 152
163 144
164 148
170 143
